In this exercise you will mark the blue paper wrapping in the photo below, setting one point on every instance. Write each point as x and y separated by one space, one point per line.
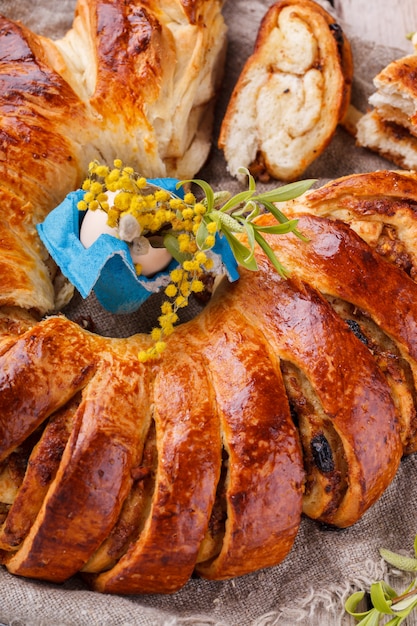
106 266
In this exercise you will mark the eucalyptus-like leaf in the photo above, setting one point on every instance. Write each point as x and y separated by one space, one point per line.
271 255
283 219
279 229
372 619
251 180
250 233
202 233
279 215
250 210
405 563
236 200
352 603
380 599
407 604
172 245
395 621
241 253
286 192
208 190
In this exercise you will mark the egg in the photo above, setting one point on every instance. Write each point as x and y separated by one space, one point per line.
95 224
155 260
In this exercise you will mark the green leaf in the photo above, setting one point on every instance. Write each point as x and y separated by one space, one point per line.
279 215
241 253
370 618
251 206
352 603
395 621
201 235
279 229
173 247
286 192
406 605
250 233
236 200
210 198
251 180
407 564
379 598
271 255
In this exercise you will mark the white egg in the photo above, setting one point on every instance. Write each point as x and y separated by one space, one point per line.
155 260
95 224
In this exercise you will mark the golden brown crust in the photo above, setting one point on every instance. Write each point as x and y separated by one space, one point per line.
44 462
390 127
188 468
390 140
126 70
377 206
246 404
264 406
261 443
339 263
303 330
397 90
93 478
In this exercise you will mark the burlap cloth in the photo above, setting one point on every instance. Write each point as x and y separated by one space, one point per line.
325 565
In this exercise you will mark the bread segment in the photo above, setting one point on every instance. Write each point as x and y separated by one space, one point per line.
264 473
42 466
93 478
340 399
38 376
188 445
280 397
390 126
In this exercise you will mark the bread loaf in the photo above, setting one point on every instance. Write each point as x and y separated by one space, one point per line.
223 478
292 92
282 397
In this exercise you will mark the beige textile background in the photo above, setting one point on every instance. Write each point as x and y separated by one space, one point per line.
325 565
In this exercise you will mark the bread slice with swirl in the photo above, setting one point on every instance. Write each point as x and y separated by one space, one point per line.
292 92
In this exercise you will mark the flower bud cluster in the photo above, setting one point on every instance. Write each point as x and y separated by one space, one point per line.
139 210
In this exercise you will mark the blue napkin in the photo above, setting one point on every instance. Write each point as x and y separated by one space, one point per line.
106 266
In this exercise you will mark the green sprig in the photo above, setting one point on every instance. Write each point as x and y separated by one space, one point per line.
384 599
236 214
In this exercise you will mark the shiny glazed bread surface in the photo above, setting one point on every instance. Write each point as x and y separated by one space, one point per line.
265 406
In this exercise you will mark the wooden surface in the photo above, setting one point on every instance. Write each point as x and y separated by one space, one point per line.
387 22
